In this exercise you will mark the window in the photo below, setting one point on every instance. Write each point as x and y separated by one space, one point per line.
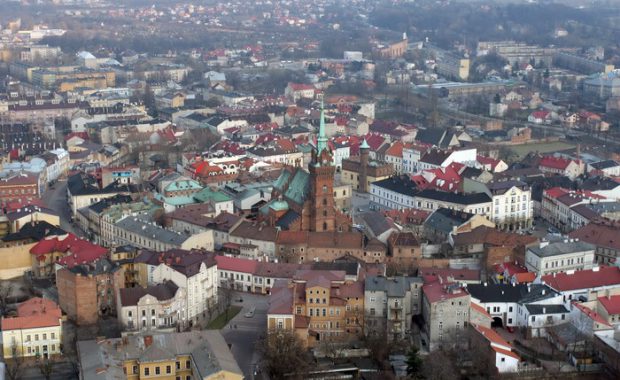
372 311
178 365
503 360
147 372
44 336
188 377
135 370
36 337
157 370
187 364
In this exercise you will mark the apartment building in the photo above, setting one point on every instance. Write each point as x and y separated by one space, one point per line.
195 272
445 310
563 256
197 355
318 305
158 307
36 330
390 304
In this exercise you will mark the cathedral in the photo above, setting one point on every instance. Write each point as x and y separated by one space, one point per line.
303 200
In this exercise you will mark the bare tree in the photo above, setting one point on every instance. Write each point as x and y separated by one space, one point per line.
6 288
283 355
15 365
46 367
225 295
438 365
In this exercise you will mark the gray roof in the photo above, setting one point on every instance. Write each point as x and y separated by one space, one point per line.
546 309
444 219
562 248
150 230
207 350
394 287
519 293
376 222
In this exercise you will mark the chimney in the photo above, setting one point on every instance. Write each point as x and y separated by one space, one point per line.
148 340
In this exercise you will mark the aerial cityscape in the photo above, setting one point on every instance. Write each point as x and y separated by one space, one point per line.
289 189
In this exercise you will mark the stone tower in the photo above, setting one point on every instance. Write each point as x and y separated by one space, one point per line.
322 210
362 184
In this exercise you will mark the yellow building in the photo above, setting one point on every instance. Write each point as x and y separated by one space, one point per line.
196 355
35 331
319 305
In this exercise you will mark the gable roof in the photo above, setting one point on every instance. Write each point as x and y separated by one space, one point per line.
584 279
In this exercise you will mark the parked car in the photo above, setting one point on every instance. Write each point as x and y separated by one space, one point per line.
250 313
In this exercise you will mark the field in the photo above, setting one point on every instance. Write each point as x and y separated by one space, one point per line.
547 147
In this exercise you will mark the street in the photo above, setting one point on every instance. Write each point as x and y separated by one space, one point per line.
242 334
56 199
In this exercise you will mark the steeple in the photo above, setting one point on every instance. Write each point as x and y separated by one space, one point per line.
321 141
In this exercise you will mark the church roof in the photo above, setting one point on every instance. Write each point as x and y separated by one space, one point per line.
299 187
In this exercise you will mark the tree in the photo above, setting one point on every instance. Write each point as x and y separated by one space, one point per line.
225 295
439 366
46 367
6 288
283 355
15 365
414 363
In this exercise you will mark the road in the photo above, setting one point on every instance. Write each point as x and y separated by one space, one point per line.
56 199
242 334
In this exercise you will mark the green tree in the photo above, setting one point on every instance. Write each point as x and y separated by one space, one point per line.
414 364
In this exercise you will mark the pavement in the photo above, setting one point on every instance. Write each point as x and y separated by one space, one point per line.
56 199
242 334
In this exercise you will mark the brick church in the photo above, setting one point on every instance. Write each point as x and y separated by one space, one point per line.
303 200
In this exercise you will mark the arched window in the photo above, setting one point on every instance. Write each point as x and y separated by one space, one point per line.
324 201
324 188
324 226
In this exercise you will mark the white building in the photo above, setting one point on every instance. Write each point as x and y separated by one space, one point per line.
567 255
194 271
57 164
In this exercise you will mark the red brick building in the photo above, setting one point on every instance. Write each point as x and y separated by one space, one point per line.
87 292
19 187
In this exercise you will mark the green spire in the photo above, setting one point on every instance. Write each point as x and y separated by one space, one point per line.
321 141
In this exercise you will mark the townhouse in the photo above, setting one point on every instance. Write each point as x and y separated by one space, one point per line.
390 304
604 235
445 311
562 256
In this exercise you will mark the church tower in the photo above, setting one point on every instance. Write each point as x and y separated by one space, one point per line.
322 210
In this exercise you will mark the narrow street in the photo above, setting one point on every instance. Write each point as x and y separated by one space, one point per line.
56 199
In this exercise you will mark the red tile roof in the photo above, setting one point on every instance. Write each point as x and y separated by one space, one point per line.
593 315
34 313
583 279
76 250
480 310
611 304
300 86
437 291
433 274
525 278
554 162
491 335
601 234
236 264
505 352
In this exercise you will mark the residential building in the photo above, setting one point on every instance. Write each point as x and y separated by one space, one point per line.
563 256
444 222
513 208
158 307
390 304
195 272
36 330
199 355
584 285
604 235
502 356
562 166
19 187
445 311
361 172
87 292
318 305
136 231
533 307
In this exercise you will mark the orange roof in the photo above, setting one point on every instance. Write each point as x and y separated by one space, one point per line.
505 352
491 335
524 278
34 313
480 310
596 317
